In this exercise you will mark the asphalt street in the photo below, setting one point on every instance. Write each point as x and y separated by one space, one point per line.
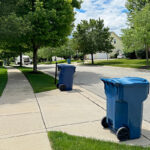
88 77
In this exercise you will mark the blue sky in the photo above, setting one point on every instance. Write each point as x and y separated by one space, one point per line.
113 12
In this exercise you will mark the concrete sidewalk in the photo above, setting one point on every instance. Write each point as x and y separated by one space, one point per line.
79 112
21 123
26 117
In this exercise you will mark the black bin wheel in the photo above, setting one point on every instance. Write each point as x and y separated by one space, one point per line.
123 134
104 122
62 87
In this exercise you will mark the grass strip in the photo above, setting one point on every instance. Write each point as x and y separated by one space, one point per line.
39 81
128 63
3 79
63 141
61 61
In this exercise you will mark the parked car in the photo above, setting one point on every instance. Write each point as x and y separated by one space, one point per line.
121 56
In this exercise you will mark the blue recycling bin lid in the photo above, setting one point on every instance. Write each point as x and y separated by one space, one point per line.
126 81
65 66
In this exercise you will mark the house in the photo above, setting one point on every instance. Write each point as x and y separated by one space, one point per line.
118 48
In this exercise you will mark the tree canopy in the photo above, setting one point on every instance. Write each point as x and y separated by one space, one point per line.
139 30
67 50
141 23
50 21
93 37
136 5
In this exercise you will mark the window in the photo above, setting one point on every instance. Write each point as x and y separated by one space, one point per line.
115 41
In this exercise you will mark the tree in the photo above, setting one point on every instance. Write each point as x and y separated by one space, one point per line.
6 55
46 53
141 23
136 5
129 45
12 30
139 33
65 51
50 21
93 37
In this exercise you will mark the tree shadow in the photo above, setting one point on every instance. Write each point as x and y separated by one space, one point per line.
88 78
46 67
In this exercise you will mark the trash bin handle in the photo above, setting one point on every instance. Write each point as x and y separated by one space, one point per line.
116 84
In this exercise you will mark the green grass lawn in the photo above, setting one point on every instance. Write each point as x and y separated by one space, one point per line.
129 63
3 79
40 81
60 61
63 141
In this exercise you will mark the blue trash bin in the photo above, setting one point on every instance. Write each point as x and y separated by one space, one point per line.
69 61
65 77
125 98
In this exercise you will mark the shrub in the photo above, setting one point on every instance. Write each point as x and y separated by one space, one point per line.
141 54
130 55
1 63
114 54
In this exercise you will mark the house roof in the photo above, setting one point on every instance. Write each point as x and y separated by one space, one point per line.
116 35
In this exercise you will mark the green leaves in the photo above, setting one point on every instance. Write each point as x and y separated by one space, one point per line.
139 34
36 23
139 30
66 51
136 5
93 37
13 30
46 52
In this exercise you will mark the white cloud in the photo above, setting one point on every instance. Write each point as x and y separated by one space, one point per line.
111 11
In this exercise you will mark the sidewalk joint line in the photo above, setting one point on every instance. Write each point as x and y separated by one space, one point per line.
146 121
73 124
146 137
18 114
26 134
40 111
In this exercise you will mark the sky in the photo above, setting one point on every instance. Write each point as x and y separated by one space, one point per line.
113 12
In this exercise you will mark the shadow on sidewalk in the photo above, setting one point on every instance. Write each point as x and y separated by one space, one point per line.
144 140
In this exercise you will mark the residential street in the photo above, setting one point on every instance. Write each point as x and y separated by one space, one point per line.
88 77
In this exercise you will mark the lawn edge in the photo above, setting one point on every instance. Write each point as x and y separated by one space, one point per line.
34 91
3 88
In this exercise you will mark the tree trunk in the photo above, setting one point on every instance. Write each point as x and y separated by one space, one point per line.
35 59
147 61
8 62
20 59
92 58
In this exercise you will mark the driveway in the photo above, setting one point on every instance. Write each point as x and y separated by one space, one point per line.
88 77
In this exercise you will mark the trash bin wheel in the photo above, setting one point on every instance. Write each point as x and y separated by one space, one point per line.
62 87
104 122
123 133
